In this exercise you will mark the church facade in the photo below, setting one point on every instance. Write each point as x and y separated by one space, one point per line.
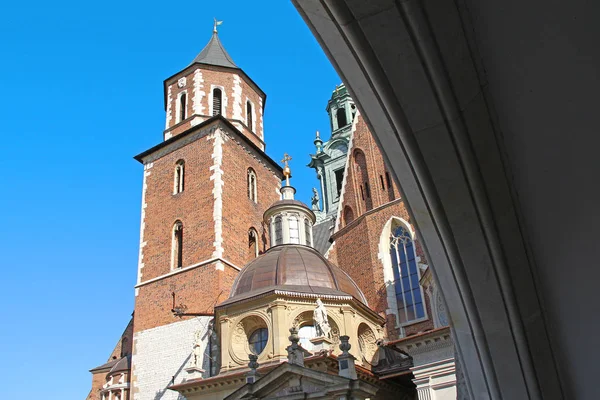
243 291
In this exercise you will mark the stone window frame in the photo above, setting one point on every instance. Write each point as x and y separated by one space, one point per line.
177 246
250 116
388 273
178 110
179 177
252 185
223 100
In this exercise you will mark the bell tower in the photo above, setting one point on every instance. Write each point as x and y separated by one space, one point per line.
205 189
329 159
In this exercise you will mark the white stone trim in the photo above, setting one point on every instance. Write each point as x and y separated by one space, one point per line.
188 268
236 89
143 243
260 131
217 176
199 93
169 106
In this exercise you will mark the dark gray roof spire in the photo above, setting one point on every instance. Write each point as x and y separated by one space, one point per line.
214 53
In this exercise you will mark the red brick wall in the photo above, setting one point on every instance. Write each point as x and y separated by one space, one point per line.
199 289
202 287
240 213
357 242
193 207
218 77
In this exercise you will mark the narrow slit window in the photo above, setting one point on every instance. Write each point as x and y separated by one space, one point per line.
217 101
179 177
182 106
252 243
252 191
249 121
178 245
362 192
381 181
367 190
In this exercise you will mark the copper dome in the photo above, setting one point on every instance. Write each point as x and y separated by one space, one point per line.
292 268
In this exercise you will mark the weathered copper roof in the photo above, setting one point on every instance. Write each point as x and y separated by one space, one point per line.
292 268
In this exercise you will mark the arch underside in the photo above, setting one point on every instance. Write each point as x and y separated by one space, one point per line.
430 117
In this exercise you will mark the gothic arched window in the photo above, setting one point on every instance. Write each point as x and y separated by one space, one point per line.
249 121
182 106
307 232
177 245
217 101
409 295
179 177
252 194
340 115
252 243
278 230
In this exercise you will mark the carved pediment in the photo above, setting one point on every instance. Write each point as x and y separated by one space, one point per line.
288 380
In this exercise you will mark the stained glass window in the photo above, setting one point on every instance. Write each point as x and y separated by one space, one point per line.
406 276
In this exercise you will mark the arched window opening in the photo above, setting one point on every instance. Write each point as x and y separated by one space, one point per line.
348 215
362 175
217 101
258 340
294 229
182 106
381 182
252 243
179 177
339 180
409 295
307 232
177 245
278 230
306 333
340 115
249 121
252 193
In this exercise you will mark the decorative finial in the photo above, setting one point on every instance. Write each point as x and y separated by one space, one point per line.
318 143
217 23
287 172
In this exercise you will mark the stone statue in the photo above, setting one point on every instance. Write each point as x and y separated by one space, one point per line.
320 319
196 359
314 200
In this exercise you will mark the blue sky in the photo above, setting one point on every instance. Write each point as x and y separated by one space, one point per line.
81 88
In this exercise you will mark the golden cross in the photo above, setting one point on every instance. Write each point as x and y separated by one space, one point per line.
286 158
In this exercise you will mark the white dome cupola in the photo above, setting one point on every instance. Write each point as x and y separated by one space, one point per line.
290 221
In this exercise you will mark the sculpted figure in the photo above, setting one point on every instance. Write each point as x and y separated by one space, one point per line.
314 200
320 319
196 360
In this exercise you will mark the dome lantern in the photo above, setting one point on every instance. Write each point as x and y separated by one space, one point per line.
290 221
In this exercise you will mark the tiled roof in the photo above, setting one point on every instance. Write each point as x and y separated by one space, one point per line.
214 54
321 234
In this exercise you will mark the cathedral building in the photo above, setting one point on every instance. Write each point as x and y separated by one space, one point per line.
244 292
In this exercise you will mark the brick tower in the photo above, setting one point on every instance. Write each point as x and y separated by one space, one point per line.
205 189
